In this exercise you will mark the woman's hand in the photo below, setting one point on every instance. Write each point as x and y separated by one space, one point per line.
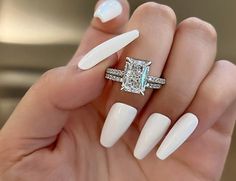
54 132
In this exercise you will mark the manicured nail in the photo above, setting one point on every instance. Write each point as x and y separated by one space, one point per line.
106 49
180 132
108 10
118 120
152 132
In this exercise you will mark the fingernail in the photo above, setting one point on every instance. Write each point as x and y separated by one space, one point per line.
152 132
108 10
106 49
180 132
118 120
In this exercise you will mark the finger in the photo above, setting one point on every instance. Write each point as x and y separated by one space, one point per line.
214 96
156 24
190 60
99 31
184 70
56 94
111 16
225 124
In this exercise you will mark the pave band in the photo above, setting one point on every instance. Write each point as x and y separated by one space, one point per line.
135 78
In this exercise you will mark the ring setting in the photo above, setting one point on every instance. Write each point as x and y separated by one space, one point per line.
135 78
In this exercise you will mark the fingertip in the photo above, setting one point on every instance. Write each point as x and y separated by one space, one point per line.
108 10
111 15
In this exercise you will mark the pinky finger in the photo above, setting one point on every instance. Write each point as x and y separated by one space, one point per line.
225 124
216 94
214 97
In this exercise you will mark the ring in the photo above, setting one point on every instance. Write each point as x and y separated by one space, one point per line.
135 78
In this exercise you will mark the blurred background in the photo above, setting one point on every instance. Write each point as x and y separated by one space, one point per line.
38 35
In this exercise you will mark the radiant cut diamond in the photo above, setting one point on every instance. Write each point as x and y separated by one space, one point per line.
135 76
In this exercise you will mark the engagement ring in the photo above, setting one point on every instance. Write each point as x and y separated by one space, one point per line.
135 78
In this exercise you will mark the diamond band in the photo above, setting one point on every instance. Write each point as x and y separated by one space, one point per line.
115 72
114 78
135 78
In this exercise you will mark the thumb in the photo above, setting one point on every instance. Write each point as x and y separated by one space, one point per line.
44 110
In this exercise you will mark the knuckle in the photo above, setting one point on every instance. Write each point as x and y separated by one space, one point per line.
219 90
152 8
227 70
126 5
179 95
213 96
46 77
9 152
202 27
182 98
46 80
226 66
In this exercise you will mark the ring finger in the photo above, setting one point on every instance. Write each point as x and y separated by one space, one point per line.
156 24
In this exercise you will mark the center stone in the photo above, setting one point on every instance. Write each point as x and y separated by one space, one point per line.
135 75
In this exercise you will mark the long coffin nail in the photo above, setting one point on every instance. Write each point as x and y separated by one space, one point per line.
180 132
106 49
118 120
108 10
152 132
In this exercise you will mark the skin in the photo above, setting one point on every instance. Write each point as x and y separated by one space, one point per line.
54 132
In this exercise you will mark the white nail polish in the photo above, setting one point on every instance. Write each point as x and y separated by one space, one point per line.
108 10
180 132
118 120
152 132
106 49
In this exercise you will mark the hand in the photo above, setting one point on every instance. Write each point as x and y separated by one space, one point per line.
54 132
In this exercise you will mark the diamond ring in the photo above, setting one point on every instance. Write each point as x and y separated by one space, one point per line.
135 78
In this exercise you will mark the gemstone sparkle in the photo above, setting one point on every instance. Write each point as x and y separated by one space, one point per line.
135 76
